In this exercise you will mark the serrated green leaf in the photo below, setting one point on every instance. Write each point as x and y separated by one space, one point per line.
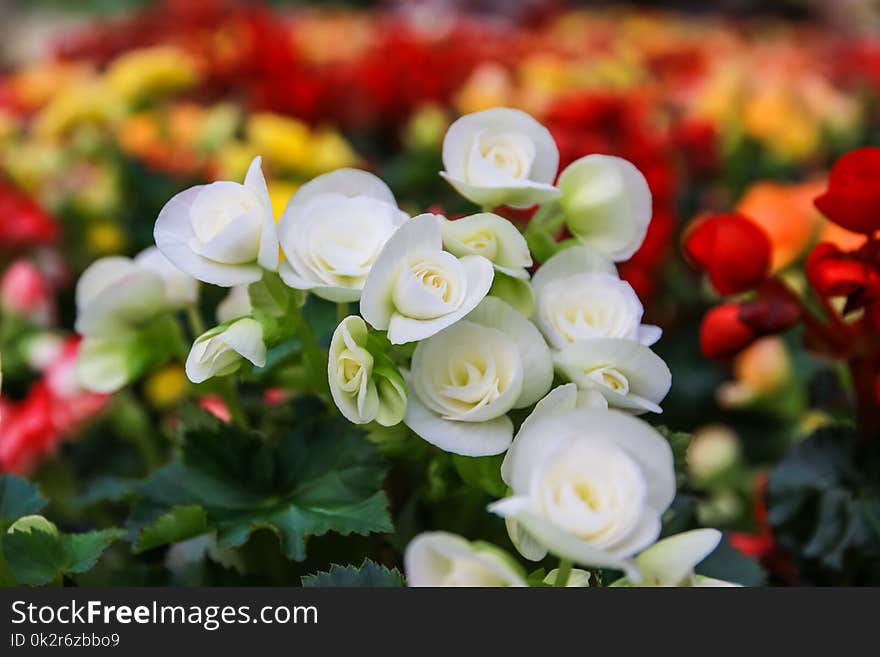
820 499
179 524
316 477
37 557
18 497
369 574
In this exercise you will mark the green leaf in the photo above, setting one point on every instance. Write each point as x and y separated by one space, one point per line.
823 502
179 524
729 564
318 476
370 574
37 557
270 295
18 497
483 472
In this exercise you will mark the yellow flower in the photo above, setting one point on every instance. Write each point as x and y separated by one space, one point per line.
82 104
778 121
165 387
105 237
144 73
233 159
38 85
488 86
283 141
329 151
290 144
280 192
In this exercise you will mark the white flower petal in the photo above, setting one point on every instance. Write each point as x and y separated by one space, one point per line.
670 561
534 352
569 262
419 234
267 256
607 203
465 438
478 273
647 375
174 234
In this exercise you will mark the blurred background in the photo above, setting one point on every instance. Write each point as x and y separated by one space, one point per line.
108 108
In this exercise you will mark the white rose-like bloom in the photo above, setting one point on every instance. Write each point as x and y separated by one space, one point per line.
501 156
220 351
628 374
180 288
416 289
467 377
490 236
578 295
332 231
588 484
442 559
607 204
363 391
222 233
671 562
115 295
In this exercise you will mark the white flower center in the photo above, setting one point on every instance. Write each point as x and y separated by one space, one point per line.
482 242
610 378
595 305
501 158
592 489
339 239
429 285
217 206
469 372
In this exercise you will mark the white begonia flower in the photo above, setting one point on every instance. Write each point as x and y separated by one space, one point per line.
628 374
237 303
588 484
222 233
607 204
577 578
671 562
180 289
490 236
332 231
115 295
363 389
107 364
220 351
466 378
441 559
578 295
501 156
416 289
713 451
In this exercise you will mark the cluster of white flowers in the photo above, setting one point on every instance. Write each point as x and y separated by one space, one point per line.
452 336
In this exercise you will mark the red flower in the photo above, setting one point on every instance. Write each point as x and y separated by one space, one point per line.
216 407
834 273
731 249
729 328
723 334
53 409
22 222
25 292
853 196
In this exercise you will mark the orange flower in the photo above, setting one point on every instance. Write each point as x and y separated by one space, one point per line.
786 214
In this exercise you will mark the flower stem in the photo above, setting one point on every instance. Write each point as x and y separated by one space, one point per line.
313 355
229 393
563 573
341 311
194 318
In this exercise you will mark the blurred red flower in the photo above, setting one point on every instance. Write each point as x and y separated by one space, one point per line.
55 407
853 197
834 273
25 292
731 249
22 222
